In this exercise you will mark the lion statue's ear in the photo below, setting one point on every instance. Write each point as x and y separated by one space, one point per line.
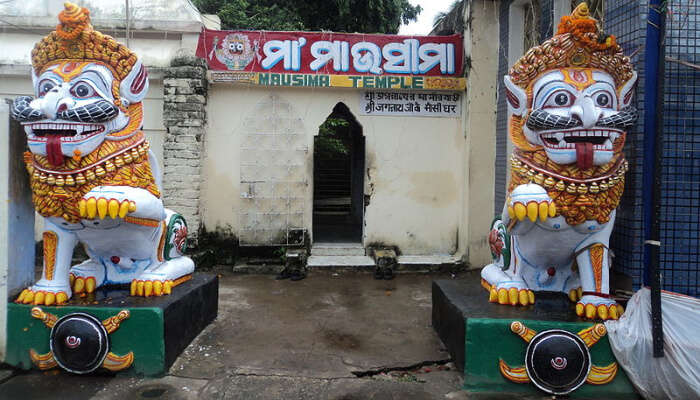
516 96
627 91
135 85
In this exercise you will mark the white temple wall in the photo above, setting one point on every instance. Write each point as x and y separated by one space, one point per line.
481 47
154 49
413 173
16 219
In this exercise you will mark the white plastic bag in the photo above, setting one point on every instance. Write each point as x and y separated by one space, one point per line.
677 374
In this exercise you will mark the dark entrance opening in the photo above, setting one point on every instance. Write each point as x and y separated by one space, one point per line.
339 163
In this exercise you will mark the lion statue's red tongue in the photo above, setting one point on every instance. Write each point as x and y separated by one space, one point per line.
584 155
53 150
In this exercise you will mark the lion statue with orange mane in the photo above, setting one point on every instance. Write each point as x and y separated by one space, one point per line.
569 104
92 175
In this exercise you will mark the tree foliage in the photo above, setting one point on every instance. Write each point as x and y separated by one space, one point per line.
451 21
333 137
367 16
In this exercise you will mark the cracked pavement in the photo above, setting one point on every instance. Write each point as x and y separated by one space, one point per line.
333 335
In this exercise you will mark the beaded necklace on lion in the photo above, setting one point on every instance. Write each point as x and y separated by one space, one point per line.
580 195
57 191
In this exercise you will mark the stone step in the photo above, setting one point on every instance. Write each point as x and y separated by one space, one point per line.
337 249
428 260
429 263
332 262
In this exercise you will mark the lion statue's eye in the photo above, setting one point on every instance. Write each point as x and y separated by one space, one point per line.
602 99
82 90
45 86
560 98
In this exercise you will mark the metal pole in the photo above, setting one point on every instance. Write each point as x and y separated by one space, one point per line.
128 23
651 182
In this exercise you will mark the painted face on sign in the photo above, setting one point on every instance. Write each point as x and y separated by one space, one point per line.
577 115
236 47
75 109
235 51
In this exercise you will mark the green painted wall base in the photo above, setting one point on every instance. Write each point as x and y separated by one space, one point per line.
488 339
158 329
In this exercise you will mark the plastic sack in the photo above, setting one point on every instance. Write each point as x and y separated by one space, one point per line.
677 374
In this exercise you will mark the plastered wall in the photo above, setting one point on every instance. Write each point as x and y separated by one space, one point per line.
481 47
153 51
413 167
16 218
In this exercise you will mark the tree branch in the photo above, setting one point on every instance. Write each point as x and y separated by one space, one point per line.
686 63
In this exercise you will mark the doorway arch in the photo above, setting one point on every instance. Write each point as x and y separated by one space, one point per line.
339 163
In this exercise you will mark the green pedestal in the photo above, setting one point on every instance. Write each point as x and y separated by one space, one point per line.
488 340
157 330
477 334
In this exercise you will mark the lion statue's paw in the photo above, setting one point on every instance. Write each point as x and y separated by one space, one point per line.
512 292
531 201
44 293
155 287
596 307
575 294
161 279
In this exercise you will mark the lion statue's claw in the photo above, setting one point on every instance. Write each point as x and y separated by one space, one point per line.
601 312
42 297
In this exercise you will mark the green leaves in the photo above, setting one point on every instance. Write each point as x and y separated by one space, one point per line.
333 137
366 16
257 15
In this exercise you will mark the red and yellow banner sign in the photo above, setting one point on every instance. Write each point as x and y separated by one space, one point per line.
320 59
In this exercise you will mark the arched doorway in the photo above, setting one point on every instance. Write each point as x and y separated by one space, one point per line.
339 163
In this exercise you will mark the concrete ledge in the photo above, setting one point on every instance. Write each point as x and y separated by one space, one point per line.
428 260
477 335
429 263
157 330
338 249
25 70
456 301
354 262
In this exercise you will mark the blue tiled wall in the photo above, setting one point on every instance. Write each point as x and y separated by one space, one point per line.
680 152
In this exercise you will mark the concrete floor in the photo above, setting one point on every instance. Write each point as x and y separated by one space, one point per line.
291 340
